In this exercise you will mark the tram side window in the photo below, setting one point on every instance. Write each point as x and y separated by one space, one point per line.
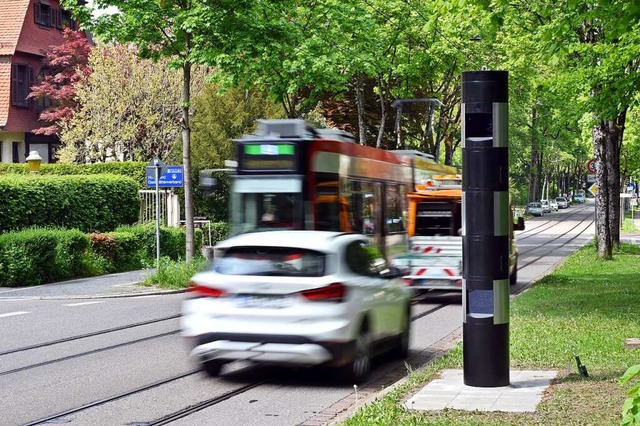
363 201
353 197
330 209
394 212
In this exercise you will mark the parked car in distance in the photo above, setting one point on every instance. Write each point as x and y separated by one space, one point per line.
579 197
546 207
562 202
553 204
300 298
534 209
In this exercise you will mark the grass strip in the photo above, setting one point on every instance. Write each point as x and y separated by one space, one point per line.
586 307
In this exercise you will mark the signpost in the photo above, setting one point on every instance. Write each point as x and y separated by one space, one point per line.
156 169
593 189
591 166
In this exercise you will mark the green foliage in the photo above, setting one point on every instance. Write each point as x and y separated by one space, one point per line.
176 274
88 203
129 106
631 406
220 117
172 241
71 248
36 256
120 251
134 170
26 258
219 231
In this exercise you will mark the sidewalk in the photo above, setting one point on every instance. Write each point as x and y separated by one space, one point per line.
122 284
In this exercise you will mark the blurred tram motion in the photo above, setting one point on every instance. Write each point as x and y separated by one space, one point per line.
320 179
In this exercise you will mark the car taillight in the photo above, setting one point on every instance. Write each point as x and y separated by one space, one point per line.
203 291
332 293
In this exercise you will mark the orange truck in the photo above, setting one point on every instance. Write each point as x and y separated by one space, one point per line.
434 228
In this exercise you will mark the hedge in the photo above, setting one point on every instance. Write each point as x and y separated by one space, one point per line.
87 203
172 240
37 256
134 170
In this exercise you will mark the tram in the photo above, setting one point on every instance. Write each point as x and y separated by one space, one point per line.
291 175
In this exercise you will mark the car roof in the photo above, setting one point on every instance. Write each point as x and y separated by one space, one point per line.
311 240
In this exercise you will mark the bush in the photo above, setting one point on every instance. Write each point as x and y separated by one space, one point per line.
71 248
28 257
120 251
175 274
220 231
87 203
134 170
172 241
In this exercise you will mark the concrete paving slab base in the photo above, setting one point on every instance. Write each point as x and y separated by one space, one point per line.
521 396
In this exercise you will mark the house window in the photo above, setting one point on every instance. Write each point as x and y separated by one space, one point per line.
43 14
15 146
65 20
20 83
45 102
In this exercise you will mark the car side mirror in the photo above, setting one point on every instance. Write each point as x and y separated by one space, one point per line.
391 272
519 225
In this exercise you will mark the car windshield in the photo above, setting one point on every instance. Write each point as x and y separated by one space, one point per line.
535 205
560 199
271 261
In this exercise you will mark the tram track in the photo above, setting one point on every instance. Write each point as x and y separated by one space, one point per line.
582 226
87 353
179 414
547 225
87 335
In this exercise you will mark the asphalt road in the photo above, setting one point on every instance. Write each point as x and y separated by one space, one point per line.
121 360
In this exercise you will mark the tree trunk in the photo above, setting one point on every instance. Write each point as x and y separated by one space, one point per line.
603 195
362 133
534 170
383 112
186 152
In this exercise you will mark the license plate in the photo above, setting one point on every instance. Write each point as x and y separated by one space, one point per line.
439 283
261 301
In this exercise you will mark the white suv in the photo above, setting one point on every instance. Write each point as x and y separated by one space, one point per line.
297 298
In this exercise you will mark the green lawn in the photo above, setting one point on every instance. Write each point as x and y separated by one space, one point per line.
586 307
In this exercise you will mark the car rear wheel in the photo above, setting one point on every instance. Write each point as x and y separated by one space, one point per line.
401 350
358 368
212 368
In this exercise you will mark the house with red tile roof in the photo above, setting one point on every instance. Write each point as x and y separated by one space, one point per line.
27 29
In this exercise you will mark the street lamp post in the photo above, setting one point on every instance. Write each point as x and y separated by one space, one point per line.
34 160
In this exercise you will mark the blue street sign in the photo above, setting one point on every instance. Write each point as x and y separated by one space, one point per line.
631 187
172 178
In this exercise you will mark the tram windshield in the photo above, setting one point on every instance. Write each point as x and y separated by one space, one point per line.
266 211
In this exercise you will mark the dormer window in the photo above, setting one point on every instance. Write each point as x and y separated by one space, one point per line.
43 14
